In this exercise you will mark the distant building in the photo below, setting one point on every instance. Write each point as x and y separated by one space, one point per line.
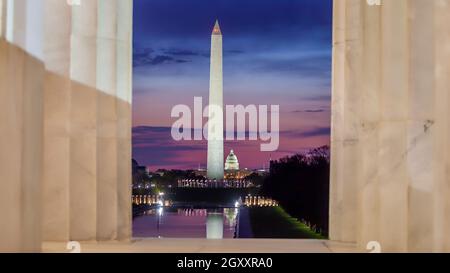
200 172
232 162
237 174
232 169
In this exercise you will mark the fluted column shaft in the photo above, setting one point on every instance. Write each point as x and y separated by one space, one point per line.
389 175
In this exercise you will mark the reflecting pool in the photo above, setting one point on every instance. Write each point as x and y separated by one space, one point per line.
187 223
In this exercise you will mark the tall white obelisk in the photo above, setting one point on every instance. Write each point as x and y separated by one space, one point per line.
215 121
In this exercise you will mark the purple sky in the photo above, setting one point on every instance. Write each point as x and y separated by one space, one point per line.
275 52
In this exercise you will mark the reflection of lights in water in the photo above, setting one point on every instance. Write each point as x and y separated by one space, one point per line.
230 216
192 212
171 223
214 226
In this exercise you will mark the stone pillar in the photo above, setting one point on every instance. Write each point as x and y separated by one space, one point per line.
370 101
88 121
21 78
345 119
107 160
83 123
2 18
441 159
57 93
389 173
21 119
421 120
65 84
124 82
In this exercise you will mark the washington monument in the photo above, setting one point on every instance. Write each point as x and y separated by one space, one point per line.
215 121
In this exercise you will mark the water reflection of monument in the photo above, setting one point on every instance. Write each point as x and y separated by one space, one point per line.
214 225
230 216
170 222
218 221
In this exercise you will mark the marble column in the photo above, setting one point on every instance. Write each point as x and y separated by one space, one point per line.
124 82
441 191
65 84
21 78
21 119
389 174
114 123
83 123
88 121
107 159
345 119
57 93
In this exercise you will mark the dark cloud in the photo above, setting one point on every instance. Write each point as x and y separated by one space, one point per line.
318 98
185 52
181 52
161 59
154 146
319 131
235 51
149 135
148 57
315 111
317 66
151 57
142 52
164 157
309 111
142 130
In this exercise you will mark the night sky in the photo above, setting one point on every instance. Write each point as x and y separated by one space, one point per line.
275 52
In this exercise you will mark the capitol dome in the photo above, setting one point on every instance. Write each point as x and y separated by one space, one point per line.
232 163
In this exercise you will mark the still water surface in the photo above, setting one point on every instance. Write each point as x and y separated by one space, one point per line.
185 222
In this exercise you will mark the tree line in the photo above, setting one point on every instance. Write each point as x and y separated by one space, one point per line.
300 183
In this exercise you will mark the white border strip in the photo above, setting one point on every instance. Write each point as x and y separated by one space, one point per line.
10 20
1 18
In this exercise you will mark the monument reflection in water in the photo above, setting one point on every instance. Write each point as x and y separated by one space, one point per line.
187 223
